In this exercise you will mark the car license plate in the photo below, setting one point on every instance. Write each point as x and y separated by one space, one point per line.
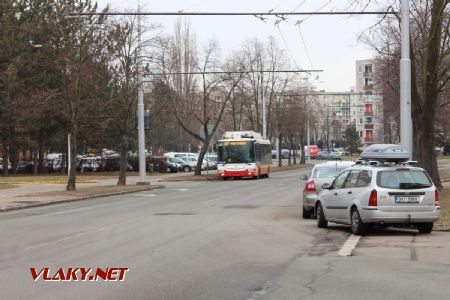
406 199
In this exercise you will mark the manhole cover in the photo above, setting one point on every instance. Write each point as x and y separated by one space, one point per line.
244 206
174 214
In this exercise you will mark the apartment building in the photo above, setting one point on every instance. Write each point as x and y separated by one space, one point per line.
333 116
368 108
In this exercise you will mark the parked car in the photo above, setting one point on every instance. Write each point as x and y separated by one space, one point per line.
323 155
334 156
380 193
88 164
24 167
284 154
212 157
112 163
180 154
172 167
191 161
184 166
209 164
320 174
1 165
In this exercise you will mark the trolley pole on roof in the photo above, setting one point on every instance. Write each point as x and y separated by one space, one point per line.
406 128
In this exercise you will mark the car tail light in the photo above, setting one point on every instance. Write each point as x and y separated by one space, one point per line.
373 200
436 198
310 186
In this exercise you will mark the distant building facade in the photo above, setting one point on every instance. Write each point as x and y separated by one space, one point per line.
368 113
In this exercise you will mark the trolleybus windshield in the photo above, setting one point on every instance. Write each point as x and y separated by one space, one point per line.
236 152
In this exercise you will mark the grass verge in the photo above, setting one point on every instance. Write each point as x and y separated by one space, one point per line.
5 186
62 178
444 201
444 175
203 177
94 191
51 179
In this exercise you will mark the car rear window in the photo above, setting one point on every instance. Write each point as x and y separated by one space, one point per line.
328 172
404 179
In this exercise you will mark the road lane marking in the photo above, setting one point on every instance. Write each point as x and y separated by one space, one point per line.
147 195
74 236
349 245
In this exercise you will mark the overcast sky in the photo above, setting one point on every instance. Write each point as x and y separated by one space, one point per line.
330 40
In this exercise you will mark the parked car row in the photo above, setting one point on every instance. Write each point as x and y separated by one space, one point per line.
325 155
170 162
187 162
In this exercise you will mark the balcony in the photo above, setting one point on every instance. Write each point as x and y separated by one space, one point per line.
368 74
368 126
368 140
368 87
368 113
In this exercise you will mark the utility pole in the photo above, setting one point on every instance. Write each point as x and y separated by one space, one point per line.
328 129
263 100
406 129
140 107
307 137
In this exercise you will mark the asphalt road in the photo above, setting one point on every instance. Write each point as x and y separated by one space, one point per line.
240 239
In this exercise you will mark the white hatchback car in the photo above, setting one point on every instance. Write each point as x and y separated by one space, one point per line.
385 195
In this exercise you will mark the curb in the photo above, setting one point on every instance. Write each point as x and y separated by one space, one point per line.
47 203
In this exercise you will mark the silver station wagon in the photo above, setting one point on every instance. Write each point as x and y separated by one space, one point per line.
379 192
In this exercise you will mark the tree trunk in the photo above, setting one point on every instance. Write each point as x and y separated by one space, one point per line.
35 161
63 164
292 149
13 155
5 156
302 150
123 160
71 183
198 169
280 158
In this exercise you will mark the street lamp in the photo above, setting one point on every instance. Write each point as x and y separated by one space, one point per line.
406 128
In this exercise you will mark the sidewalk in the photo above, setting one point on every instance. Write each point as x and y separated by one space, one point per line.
32 195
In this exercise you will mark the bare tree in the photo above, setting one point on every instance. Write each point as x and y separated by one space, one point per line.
207 103
430 55
123 48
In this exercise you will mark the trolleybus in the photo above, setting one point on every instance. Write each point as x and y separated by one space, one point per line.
244 154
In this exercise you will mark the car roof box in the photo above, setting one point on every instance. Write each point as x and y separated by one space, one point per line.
386 153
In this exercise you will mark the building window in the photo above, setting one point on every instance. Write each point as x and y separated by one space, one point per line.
360 134
368 108
369 134
368 68
369 120
360 120
367 81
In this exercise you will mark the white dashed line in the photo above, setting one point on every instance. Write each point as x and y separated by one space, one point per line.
349 245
